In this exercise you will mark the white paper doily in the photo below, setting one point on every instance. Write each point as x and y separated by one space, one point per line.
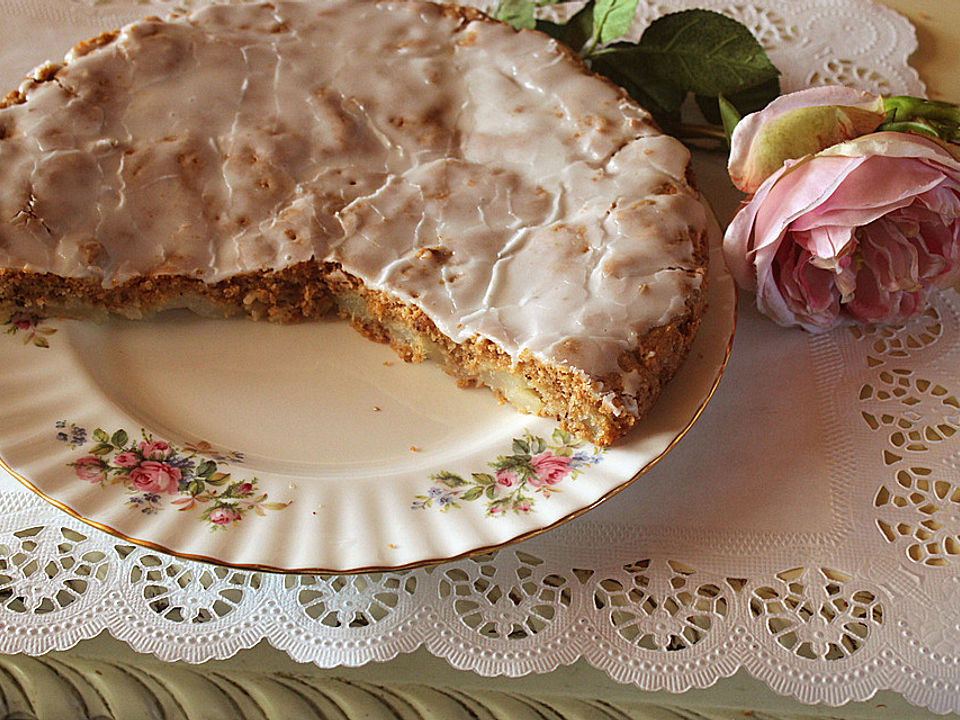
807 529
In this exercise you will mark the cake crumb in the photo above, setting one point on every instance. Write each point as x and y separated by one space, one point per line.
376 408
392 546
292 485
387 363
414 448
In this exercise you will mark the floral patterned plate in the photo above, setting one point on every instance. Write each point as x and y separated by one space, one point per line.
304 448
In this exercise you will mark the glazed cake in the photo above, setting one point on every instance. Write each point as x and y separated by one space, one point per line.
463 191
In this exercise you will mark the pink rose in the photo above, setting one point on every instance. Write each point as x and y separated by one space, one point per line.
156 477
23 321
549 468
244 488
507 478
126 460
90 468
224 515
859 231
523 506
154 450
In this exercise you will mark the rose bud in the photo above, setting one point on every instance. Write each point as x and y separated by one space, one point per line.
224 515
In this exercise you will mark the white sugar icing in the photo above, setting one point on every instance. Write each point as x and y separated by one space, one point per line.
484 177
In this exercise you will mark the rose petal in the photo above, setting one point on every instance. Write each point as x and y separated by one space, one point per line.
826 244
874 304
798 124
797 293
738 245
940 202
891 256
873 188
797 189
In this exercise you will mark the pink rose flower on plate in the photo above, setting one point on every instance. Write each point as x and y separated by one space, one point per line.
507 478
224 515
23 321
155 477
549 469
859 231
90 468
126 460
154 449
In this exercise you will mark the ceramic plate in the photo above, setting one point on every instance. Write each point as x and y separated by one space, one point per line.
304 448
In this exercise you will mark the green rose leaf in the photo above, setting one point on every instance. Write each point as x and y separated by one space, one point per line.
206 468
704 52
662 99
217 478
729 116
274 505
697 51
100 436
473 493
520 463
102 449
119 438
483 478
612 18
449 479
518 13
744 102
575 32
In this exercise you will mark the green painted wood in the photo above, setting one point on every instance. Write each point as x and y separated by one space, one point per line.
103 679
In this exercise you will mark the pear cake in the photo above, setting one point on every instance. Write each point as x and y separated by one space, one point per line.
465 192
